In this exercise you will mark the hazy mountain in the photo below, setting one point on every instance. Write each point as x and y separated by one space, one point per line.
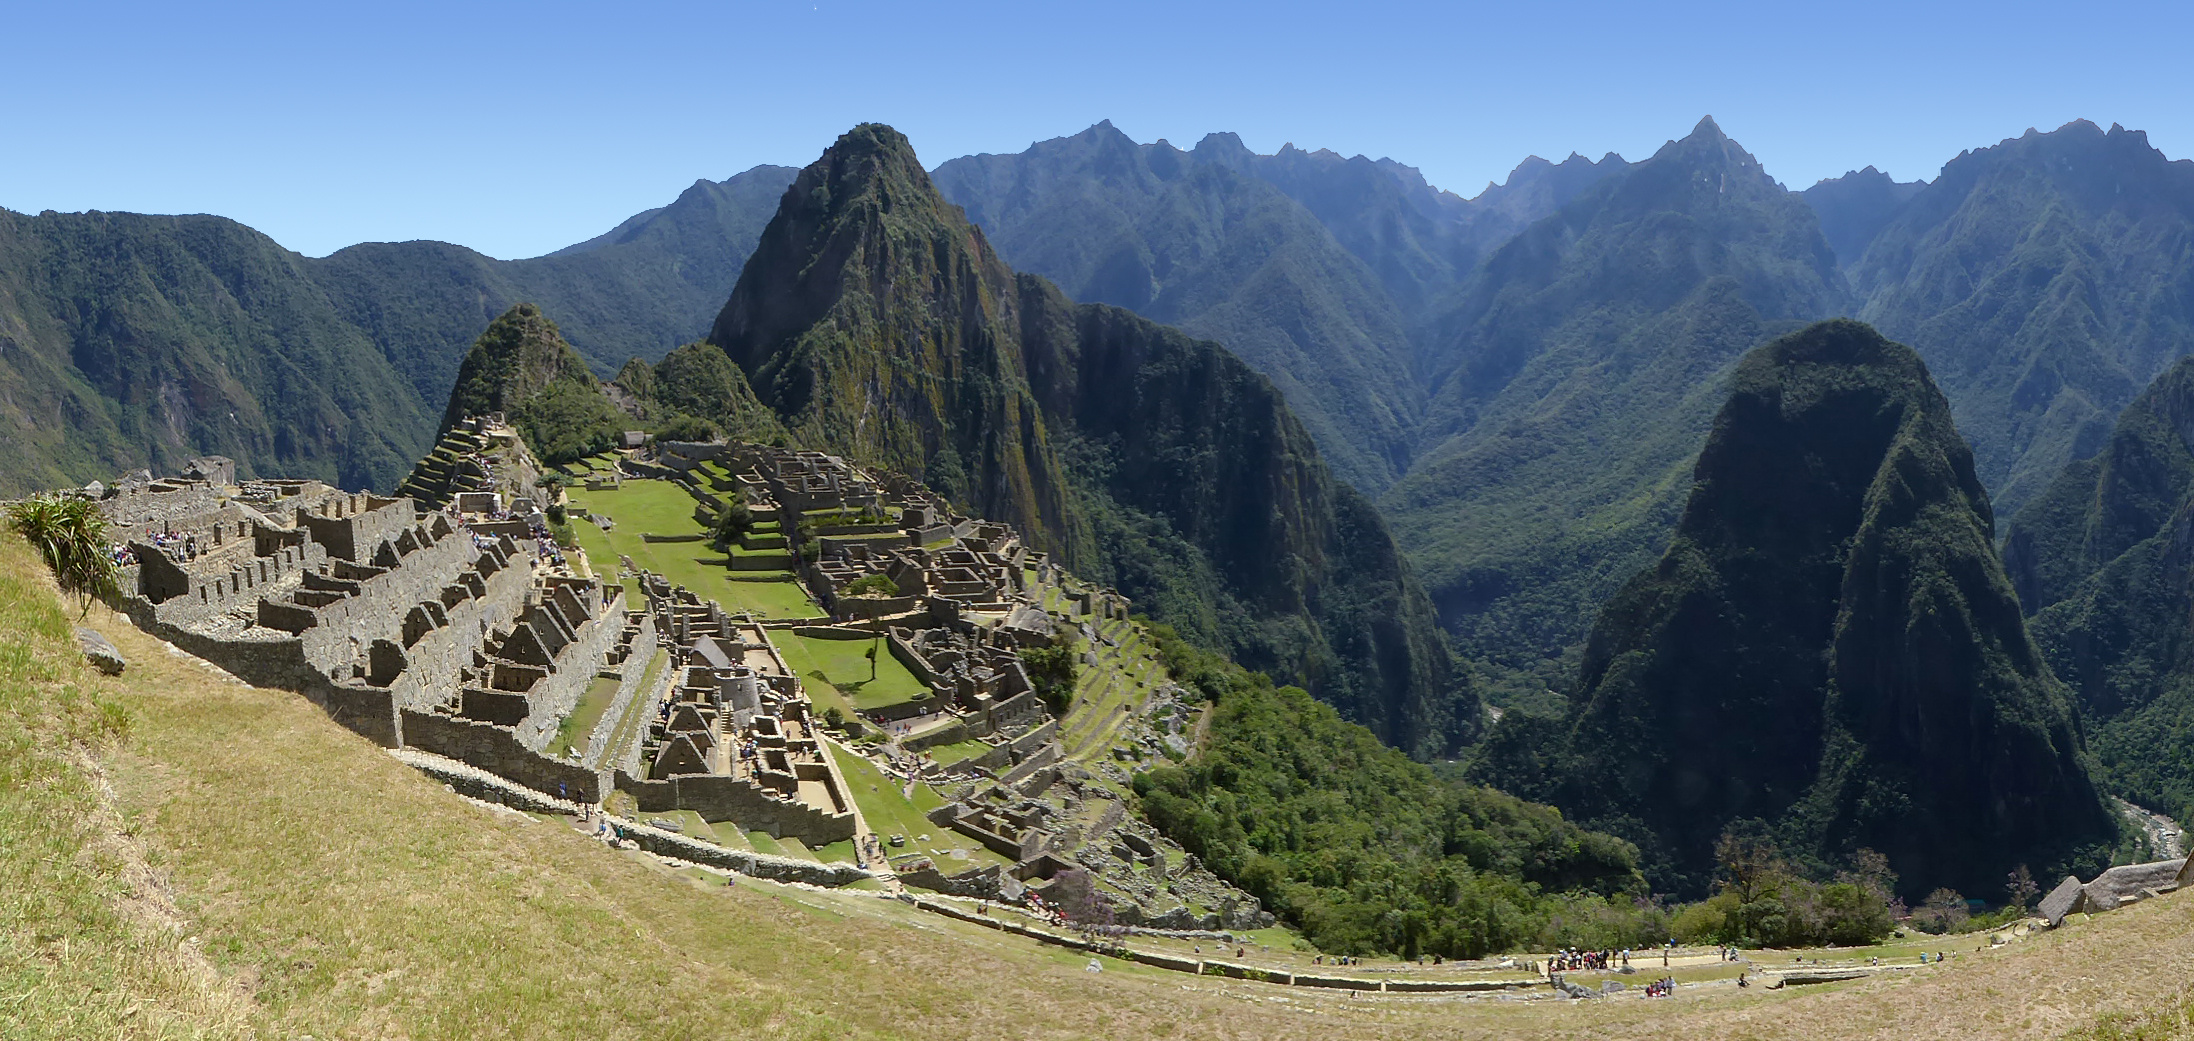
129 341
1185 239
878 322
1830 645
1578 369
2046 280
1855 207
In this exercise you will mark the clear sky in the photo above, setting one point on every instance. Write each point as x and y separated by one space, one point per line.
520 128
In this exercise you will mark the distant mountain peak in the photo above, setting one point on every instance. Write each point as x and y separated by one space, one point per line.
1708 128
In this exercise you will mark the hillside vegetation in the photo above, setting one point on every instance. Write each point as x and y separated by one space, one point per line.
2100 560
133 341
1830 647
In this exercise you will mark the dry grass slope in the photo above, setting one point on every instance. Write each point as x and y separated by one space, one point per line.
185 856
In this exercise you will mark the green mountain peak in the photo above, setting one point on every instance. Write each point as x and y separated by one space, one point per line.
875 321
1829 645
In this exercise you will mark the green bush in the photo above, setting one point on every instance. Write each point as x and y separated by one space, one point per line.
71 535
878 585
1052 671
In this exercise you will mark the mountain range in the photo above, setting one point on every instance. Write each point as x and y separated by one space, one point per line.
1519 381
129 340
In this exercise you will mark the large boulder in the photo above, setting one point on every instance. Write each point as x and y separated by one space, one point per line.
100 653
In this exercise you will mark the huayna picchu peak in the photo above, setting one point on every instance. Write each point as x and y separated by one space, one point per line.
877 322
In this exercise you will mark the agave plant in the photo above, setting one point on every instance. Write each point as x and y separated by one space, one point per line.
71 534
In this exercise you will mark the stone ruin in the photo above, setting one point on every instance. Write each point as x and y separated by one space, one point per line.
441 620
2114 888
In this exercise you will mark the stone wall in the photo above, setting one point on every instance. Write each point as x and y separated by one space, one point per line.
497 750
720 798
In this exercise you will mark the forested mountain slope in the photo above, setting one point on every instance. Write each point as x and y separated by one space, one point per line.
1830 646
1578 371
876 321
2101 559
650 284
129 340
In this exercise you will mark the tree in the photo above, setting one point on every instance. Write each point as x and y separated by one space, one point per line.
71 534
879 585
1052 671
1944 912
2021 887
733 523
1750 864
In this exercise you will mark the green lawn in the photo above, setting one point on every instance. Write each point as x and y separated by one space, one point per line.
889 813
946 755
662 508
575 728
843 664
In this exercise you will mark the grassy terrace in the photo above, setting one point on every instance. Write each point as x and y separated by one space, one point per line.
662 508
888 812
164 873
843 666
572 733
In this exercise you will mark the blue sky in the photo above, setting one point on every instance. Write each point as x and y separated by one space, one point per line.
517 129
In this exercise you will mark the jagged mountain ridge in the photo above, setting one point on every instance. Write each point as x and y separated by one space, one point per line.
2046 280
1831 646
1578 370
1311 267
876 321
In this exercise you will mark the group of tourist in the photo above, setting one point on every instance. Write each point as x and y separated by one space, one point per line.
1662 987
1574 960
175 544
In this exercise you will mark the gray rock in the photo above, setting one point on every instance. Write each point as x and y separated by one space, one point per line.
101 654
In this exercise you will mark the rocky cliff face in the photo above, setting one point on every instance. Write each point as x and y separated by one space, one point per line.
874 320
1830 645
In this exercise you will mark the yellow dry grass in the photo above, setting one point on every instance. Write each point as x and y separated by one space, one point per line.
236 865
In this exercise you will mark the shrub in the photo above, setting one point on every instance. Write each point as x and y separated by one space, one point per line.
1052 671
878 585
71 534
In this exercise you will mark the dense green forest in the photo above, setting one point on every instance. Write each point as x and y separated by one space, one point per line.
2100 561
1829 646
